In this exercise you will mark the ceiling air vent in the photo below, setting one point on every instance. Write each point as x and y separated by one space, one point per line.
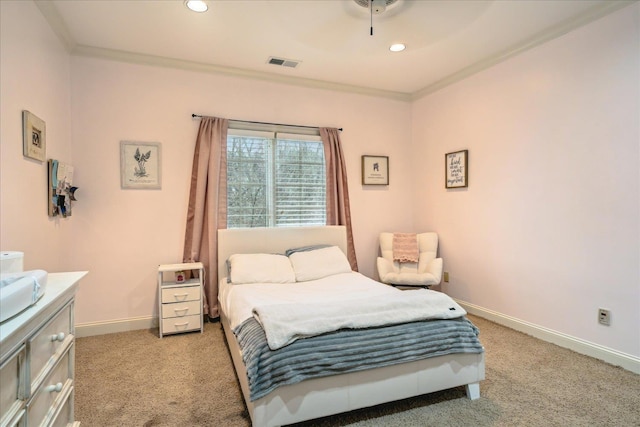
283 62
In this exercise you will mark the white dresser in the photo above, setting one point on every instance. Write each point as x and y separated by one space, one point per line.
180 303
37 358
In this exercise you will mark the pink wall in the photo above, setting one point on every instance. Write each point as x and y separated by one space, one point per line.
122 235
547 232
35 76
548 229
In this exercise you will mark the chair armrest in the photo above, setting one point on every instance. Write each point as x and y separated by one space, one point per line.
435 267
384 267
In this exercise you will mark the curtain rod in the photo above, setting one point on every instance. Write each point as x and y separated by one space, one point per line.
264 123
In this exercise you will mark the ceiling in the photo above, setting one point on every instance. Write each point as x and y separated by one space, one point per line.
446 40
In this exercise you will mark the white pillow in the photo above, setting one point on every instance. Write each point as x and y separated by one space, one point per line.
311 265
260 268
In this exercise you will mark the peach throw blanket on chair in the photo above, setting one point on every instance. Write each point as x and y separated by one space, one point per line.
405 247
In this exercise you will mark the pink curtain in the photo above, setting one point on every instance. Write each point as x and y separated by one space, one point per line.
338 212
207 211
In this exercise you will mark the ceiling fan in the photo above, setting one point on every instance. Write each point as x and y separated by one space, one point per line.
376 7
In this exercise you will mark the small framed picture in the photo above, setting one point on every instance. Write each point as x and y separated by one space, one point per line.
456 164
140 165
375 170
34 138
181 277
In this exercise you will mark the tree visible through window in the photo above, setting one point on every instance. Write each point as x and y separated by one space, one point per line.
275 182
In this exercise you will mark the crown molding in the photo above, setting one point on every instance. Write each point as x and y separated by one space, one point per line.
159 61
59 27
57 24
537 40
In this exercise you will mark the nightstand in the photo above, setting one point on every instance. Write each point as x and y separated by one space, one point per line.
180 302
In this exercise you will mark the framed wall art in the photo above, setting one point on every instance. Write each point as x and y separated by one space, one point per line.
456 173
375 170
140 165
34 138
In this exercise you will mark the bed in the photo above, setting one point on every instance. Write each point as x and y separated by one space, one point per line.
323 395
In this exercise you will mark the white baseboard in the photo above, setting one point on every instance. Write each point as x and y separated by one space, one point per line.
617 358
113 326
614 357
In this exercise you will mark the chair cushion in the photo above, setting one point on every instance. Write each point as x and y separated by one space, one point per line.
422 279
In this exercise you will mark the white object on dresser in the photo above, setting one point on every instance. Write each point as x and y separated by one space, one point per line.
37 348
180 304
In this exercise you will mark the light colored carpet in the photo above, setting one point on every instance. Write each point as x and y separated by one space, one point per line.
136 379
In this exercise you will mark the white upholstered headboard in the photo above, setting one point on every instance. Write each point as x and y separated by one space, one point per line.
275 240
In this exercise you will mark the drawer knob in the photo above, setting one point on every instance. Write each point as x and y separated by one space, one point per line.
54 387
58 337
181 325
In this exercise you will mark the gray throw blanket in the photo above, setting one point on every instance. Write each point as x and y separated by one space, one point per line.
348 350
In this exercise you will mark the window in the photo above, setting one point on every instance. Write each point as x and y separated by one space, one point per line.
275 180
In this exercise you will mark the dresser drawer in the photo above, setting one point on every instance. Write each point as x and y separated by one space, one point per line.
19 420
181 309
54 391
180 294
181 324
12 391
49 343
65 414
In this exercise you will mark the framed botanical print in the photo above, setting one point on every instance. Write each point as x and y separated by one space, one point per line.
140 165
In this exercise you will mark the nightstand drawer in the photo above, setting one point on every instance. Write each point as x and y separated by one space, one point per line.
181 309
180 294
49 343
12 383
181 324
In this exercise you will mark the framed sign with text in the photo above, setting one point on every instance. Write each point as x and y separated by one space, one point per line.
375 170
456 174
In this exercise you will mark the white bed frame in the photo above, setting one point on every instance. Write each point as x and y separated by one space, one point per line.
320 397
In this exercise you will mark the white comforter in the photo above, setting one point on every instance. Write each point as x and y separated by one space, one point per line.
288 312
286 323
238 301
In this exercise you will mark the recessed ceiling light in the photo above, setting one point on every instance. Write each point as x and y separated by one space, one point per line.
397 47
197 5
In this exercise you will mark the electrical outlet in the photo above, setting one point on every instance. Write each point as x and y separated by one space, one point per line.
446 276
604 316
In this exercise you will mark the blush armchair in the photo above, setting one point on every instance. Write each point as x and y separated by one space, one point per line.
426 272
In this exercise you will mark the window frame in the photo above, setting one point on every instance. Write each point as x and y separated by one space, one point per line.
272 138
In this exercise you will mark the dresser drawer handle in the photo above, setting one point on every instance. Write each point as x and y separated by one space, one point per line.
180 296
182 310
178 325
53 387
58 337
